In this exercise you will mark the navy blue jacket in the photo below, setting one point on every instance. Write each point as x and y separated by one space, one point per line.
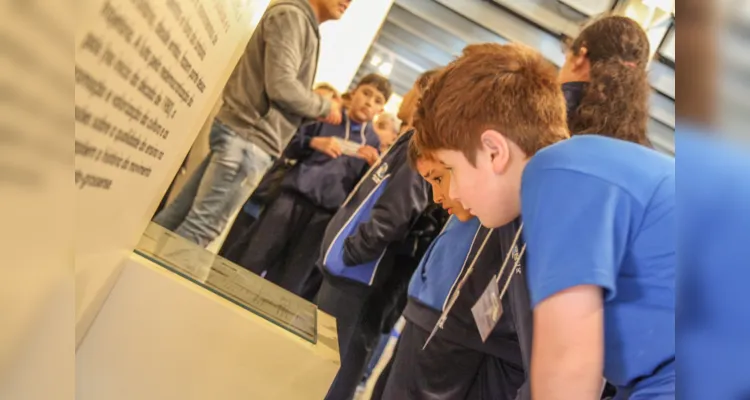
445 264
376 221
323 180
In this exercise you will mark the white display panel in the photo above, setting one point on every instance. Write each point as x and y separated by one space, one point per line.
161 337
147 74
229 281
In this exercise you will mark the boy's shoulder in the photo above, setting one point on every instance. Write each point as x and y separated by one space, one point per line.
285 6
630 166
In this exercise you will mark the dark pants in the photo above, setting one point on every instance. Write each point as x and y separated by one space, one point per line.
285 241
348 307
237 238
447 370
379 389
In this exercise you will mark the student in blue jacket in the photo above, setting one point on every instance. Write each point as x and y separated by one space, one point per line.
456 363
363 249
285 240
598 220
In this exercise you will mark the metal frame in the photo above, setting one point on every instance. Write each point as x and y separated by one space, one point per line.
660 56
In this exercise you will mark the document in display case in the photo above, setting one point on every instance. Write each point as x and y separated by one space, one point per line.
229 281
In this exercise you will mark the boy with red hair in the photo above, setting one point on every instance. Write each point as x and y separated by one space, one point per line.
598 219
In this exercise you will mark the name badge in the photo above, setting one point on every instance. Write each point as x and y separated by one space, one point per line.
488 309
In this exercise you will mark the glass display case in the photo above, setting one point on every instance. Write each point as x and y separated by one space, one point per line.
229 281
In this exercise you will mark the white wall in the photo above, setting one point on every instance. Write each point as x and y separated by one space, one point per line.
110 220
344 43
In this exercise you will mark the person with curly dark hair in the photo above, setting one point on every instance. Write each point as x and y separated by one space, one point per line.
605 81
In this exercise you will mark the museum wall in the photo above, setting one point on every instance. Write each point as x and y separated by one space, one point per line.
147 76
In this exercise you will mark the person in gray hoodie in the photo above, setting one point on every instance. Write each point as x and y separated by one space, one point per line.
268 96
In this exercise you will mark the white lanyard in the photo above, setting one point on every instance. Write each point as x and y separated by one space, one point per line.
444 316
516 262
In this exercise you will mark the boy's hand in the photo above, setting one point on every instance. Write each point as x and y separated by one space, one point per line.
326 145
334 116
369 154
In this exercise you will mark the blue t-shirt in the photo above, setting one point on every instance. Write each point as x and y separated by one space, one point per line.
714 260
601 211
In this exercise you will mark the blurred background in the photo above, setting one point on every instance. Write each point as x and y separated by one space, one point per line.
419 35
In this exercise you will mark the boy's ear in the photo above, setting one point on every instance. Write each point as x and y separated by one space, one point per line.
495 146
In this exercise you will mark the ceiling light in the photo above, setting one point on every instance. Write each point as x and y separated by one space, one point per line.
385 69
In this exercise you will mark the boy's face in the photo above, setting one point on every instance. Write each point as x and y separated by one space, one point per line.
435 173
333 9
367 101
491 189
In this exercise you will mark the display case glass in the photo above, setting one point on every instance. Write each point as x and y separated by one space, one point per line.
229 281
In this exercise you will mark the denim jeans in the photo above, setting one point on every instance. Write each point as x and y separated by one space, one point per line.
217 188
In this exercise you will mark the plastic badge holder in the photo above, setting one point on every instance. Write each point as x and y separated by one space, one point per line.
348 148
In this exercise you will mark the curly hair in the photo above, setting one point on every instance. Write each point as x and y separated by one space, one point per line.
615 102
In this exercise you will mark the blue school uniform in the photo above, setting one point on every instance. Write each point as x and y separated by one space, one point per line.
323 180
601 211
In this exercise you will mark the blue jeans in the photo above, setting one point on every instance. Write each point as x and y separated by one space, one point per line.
220 184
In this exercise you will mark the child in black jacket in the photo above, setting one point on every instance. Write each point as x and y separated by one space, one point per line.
364 243
285 240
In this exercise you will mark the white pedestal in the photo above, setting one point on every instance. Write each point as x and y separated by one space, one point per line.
161 337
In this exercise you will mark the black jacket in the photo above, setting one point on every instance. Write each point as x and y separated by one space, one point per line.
375 223
326 181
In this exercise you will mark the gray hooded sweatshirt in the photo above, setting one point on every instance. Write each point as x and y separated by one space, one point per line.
269 93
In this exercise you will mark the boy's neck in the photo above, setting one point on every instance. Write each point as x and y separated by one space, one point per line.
354 119
316 10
